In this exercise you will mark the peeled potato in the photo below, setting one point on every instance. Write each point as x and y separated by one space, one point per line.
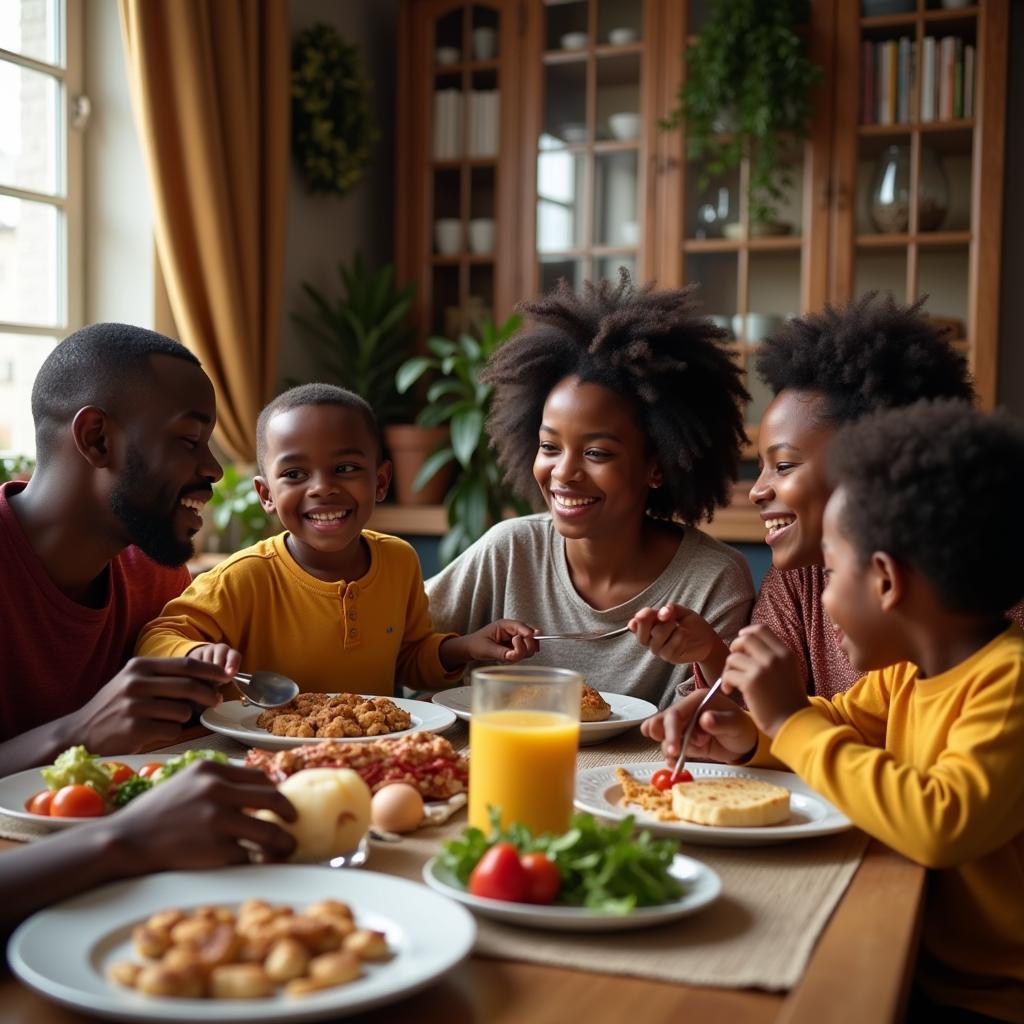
334 812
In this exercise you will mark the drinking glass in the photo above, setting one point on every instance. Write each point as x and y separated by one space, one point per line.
523 736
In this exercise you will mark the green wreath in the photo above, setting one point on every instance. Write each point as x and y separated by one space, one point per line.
331 128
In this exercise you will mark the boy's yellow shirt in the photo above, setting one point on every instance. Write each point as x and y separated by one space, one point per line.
934 768
358 636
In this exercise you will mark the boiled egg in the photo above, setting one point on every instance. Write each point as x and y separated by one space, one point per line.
397 808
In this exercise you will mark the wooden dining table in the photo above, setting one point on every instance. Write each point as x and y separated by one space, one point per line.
860 970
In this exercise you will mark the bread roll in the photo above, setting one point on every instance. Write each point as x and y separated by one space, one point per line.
730 802
334 812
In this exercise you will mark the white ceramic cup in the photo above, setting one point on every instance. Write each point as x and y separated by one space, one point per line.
622 36
481 234
758 327
447 55
485 43
573 40
448 235
625 126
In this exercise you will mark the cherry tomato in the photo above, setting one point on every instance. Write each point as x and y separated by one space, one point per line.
119 771
499 875
664 779
542 878
147 771
77 802
40 803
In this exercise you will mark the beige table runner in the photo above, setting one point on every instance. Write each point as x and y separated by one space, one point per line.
759 934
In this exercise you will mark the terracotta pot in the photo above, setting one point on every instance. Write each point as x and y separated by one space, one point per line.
410 446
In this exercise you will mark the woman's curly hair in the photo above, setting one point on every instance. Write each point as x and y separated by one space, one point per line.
871 354
651 348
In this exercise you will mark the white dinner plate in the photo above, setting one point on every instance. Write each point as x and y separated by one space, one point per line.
702 887
599 791
16 789
238 720
63 952
626 713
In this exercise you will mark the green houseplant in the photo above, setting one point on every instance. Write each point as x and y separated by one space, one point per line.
238 516
747 93
359 336
456 396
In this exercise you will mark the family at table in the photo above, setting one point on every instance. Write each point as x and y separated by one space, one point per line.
882 659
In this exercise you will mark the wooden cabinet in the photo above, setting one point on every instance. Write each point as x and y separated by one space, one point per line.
586 180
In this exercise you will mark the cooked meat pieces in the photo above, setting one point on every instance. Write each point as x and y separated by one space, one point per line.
341 716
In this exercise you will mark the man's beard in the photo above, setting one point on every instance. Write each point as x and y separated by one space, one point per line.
133 501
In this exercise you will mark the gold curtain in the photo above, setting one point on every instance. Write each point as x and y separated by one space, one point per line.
209 82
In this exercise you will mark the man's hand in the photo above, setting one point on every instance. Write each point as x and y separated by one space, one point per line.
146 704
765 670
506 640
724 732
680 636
210 804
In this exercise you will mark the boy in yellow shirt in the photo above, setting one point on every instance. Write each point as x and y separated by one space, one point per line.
926 751
332 605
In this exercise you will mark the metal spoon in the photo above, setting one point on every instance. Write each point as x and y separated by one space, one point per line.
265 689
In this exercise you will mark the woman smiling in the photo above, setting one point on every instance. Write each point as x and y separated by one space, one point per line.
620 413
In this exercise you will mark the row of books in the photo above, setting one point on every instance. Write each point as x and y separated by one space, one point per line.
465 128
891 70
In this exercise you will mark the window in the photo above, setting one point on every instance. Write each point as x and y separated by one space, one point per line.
40 198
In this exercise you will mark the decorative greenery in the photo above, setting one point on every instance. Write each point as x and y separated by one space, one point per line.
360 335
748 72
15 467
331 128
237 512
479 496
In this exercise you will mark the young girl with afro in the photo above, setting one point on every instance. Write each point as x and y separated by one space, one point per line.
619 413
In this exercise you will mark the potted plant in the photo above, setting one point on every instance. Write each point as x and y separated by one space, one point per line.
747 94
361 340
479 496
238 517
16 467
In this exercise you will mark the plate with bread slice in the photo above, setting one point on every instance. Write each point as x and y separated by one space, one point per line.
723 805
602 715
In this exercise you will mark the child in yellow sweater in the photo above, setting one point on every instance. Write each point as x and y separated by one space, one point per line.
926 751
332 605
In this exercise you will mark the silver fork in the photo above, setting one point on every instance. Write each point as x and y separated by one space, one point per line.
681 759
584 636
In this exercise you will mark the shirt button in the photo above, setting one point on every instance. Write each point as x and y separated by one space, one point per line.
353 616
353 633
353 591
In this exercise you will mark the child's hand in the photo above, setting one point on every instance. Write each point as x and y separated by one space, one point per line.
679 636
766 672
222 655
506 640
724 732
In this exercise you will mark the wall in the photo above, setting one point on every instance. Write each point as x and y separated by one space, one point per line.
322 230
1011 299
118 217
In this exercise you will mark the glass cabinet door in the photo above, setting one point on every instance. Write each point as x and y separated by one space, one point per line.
590 126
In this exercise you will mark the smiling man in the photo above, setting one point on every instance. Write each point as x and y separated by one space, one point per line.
94 545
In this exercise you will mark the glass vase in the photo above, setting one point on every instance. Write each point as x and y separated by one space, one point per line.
890 192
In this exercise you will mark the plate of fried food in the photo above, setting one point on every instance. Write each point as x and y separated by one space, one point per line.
314 717
602 715
258 943
723 805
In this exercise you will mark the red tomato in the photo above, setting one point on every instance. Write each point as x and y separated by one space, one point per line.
119 771
40 803
147 771
542 878
499 875
664 779
77 802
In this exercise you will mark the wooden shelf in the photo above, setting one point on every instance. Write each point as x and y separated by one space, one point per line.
772 243
906 127
910 18
461 257
466 161
925 238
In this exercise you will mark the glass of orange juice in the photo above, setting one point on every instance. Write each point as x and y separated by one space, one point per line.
523 735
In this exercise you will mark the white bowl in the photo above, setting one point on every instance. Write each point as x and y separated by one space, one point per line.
485 42
447 55
573 131
573 40
448 235
481 235
622 36
625 126
758 327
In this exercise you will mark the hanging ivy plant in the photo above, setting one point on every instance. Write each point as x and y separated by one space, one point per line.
331 127
747 93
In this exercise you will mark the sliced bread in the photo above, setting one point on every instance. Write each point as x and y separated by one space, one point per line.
730 802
